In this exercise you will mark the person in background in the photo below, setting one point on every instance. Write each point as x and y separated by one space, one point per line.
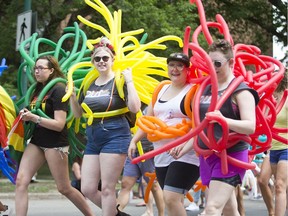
108 138
76 171
130 175
239 113
279 153
176 170
193 206
49 142
263 179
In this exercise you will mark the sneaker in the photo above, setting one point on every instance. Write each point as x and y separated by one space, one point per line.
119 213
8 211
192 207
258 197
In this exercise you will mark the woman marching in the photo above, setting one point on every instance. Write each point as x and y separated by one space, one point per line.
49 142
108 138
176 170
239 113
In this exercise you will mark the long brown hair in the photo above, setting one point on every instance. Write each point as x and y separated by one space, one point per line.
52 63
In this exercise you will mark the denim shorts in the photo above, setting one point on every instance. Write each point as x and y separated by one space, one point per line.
139 169
111 136
277 155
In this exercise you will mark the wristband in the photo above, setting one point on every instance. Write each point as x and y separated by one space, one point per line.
129 81
38 120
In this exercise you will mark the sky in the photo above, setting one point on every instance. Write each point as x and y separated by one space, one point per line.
279 50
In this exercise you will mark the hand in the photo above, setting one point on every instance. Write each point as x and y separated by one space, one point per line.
210 116
26 115
73 91
174 152
127 73
131 150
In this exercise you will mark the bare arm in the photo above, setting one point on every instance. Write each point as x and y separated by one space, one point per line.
138 135
56 124
133 100
247 123
75 106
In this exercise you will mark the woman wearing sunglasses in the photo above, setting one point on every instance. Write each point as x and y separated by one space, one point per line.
108 138
239 113
176 170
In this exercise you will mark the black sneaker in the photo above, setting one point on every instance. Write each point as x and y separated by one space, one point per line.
119 213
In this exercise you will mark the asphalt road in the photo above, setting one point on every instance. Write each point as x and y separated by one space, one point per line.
58 205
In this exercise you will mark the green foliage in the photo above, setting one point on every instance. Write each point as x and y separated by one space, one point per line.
157 19
249 22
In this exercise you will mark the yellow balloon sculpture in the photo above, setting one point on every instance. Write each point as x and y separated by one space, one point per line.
130 52
142 62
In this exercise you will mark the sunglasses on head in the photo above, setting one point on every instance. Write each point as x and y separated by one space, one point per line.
218 63
98 58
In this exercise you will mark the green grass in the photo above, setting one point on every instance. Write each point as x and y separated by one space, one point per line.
39 187
44 184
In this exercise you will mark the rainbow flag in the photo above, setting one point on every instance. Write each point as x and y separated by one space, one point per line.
15 140
7 117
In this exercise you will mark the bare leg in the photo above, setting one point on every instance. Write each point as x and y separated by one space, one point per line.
90 177
58 165
124 194
32 159
216 203
239 198
174 203
111 168
158 197
263 182
281 184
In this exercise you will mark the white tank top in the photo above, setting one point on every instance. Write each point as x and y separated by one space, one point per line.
170 113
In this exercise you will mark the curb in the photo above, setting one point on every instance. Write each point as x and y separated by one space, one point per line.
36 196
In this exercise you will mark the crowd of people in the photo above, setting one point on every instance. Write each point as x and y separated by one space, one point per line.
111 146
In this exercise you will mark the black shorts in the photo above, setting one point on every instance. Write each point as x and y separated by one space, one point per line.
178 177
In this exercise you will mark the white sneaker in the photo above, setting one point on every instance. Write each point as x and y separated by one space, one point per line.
192 207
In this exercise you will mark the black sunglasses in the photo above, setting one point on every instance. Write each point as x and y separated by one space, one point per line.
98 58
218 63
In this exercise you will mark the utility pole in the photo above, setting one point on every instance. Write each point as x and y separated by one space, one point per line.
27 5
24 81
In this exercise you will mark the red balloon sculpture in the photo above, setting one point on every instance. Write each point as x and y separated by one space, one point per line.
264 79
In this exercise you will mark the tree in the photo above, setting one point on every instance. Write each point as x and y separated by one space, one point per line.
157 17
253 21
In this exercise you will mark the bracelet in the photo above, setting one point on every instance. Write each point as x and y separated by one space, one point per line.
129 81
38 120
